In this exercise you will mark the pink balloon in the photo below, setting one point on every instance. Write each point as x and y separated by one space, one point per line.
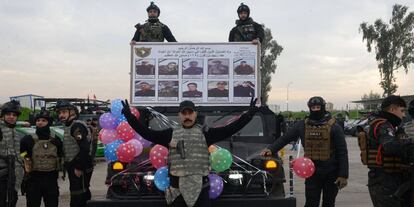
137 145
158 156
107 135
145 143
125 131
303 167
125 152
135 112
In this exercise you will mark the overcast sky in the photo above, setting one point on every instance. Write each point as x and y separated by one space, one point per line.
78 47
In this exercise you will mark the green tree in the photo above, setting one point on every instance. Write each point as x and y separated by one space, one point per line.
370 96
393 43
270 50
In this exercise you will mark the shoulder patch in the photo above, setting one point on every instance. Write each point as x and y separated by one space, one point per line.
77 134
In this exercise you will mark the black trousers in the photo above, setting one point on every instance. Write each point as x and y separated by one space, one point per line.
79 187
202 201
318 184
382 186
3 193
45 187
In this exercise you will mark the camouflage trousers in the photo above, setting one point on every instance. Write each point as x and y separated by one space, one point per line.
382 187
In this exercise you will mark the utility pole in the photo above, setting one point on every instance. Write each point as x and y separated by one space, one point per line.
287 95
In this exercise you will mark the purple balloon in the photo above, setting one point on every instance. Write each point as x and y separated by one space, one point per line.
216 186
137 145
145 143
107 121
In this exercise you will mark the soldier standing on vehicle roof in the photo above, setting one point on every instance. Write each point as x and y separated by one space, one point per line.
10 145
189 163
385 151
246 29
153 30
76 153
41 154
324 143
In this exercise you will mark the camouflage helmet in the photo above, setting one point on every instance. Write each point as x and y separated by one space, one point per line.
44 114
316 101
154 7
243 8
11 106
64 104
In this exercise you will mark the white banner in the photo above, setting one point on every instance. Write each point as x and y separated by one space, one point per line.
205 73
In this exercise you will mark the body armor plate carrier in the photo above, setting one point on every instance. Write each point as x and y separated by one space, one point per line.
318 144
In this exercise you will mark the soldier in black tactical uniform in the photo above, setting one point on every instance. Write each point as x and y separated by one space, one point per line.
188 145
384 155
10 146
324 143
246 29
153 30
76 152
41 154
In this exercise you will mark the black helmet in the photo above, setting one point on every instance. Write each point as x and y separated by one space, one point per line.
411 108
243 8
11 106
64 104
316 100
44 114
154 7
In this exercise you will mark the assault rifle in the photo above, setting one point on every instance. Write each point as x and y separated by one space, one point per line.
10 179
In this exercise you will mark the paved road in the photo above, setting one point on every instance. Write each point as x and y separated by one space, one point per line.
356 194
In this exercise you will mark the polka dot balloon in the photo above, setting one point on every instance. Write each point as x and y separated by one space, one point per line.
158 156
107 121
116 107
221 160
303 167
161 179
125 152
216 186
125 131
110 150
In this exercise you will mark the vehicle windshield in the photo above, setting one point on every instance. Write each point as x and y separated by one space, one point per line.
253 128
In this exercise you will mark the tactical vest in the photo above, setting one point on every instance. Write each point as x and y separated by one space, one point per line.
376 159
318 144
196 161
152 32
245 32
10 145
44 155
70 145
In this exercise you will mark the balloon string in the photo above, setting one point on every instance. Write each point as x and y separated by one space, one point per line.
245 162
300 145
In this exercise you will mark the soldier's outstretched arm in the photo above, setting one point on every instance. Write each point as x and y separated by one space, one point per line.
341 151
217 134
162 137
292 135
168 34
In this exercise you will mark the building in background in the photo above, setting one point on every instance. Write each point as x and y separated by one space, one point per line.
27 101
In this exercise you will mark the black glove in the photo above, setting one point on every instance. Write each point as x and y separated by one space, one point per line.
126 111
252 107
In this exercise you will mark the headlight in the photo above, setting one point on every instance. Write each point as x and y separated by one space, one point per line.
118 166
149 177
235 178
270 165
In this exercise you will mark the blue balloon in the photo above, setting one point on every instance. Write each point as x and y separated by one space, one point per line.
161 178
110 150
120 119
116 107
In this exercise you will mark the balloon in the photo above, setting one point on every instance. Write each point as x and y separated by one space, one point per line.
221 160
110 150
303 167
125 152
137 145
107 135
158 156
107 121
125 131
120 119
116 107
145 143
216 186
161 179
135 112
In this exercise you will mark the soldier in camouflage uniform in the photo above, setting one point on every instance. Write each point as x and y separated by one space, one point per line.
188 143
153 30
246 30
77 143
10 145
42 154
384 153
324 143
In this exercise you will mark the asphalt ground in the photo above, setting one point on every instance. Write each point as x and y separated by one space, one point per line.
355 194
